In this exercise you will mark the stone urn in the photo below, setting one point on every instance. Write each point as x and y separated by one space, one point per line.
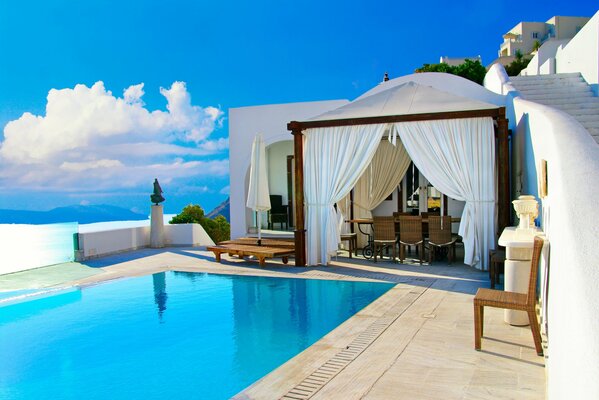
527 208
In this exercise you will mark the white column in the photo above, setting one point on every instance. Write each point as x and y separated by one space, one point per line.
157 227
518 244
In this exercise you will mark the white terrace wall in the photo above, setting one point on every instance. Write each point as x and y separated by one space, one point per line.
570 216
102 243
543 63
581 54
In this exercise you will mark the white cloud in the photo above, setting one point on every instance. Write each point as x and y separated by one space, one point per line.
82 166
90 138
225 190
133 94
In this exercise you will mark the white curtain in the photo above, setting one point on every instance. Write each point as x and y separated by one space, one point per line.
334 159
381 178
458 157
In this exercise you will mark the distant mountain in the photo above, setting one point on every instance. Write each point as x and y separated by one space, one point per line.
222 209
82 214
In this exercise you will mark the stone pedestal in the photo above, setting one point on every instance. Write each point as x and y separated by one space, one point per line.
157 227
518 244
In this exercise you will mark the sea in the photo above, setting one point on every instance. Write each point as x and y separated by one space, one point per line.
25 246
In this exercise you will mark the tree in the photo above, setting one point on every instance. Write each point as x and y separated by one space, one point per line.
218 228
471 70
514 68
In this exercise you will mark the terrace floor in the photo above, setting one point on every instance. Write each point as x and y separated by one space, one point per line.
414 342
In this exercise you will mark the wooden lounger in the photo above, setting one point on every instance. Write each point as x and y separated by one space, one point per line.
264 242
260 252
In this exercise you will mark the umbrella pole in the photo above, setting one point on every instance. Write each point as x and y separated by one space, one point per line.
259 223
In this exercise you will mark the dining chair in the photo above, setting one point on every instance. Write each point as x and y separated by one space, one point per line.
384 234
512 301
352 239
439 236
410 234
396 216
425 216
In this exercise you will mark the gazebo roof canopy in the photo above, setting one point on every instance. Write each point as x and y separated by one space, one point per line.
405 99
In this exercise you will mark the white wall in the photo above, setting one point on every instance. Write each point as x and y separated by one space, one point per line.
271 121
570 218
543 63
186 235
101 243
95 244
581 54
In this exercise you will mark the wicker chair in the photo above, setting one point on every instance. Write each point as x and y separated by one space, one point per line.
439 236
410 234
384 234
496 261
511 300
425 216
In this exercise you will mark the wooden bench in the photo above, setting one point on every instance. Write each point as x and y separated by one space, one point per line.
260 252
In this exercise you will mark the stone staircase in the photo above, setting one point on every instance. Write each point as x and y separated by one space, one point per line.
567 92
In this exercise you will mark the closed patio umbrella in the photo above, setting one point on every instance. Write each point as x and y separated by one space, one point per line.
258 195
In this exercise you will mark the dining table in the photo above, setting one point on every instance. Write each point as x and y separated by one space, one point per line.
367 250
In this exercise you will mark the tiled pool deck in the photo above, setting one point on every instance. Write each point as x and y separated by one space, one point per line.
414 342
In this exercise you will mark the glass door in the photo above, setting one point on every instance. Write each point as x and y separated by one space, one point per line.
420 195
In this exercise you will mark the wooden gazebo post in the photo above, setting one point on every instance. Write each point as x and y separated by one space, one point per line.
300 231
503 173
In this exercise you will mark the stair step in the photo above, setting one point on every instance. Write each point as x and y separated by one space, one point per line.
579 109
557 83
560 99
582 87
569 92
569 101
586 118
530 78
590 124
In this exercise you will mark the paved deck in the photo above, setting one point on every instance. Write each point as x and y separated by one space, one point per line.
414 342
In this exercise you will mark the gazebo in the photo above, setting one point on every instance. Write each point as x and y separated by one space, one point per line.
460 144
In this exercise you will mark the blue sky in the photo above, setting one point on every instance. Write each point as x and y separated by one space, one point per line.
105 136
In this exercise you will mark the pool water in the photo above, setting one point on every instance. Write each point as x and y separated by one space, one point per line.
172 335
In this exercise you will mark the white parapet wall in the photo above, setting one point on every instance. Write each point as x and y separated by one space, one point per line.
102 243
570 218
581 54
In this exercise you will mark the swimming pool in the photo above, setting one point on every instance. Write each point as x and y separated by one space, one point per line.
172 335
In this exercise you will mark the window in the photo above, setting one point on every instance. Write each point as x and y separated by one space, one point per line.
535 35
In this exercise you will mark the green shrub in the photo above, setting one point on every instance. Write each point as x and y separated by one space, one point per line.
218 228
471 70
514 68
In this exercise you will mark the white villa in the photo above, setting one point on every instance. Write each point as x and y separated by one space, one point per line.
553 118
524 35
453 61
